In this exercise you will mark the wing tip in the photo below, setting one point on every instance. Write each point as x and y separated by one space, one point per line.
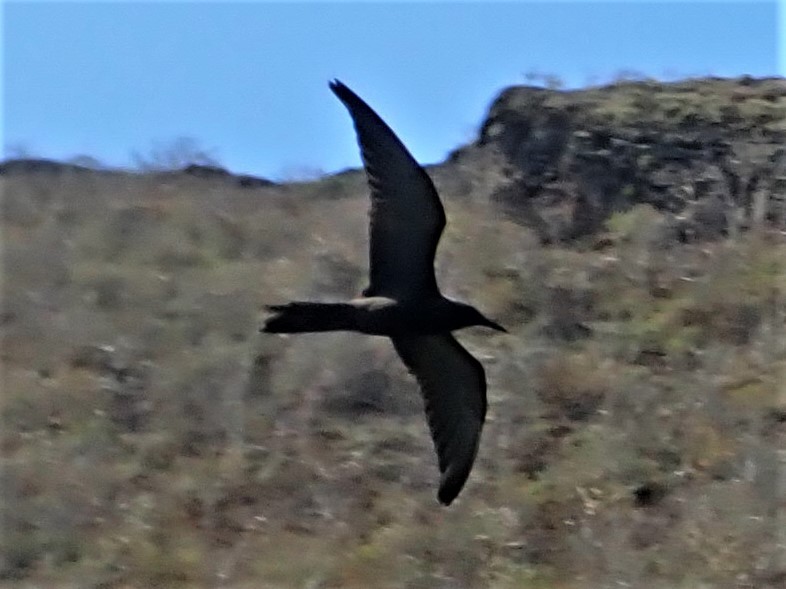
340 89
452 482
352 101
446 498
448 491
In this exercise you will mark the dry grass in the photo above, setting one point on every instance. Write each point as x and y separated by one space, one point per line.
152 438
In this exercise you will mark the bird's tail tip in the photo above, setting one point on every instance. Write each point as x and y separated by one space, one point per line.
303 317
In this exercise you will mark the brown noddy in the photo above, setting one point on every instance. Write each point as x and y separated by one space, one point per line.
403 301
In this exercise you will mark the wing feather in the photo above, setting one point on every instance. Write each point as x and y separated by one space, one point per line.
406 217
453 384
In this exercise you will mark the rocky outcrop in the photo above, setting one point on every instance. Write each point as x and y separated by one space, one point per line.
708 152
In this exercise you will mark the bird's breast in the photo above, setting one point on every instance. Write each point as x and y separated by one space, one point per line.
383 316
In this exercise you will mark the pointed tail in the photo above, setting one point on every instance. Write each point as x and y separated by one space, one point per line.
301 317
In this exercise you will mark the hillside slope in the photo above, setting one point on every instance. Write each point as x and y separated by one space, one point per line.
631 237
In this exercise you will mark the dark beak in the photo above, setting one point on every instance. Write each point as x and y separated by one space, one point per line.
497 326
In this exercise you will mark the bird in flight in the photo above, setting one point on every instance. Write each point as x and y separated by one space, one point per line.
403 301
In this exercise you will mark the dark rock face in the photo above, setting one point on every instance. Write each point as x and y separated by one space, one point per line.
200 171
48 168
39 166
246 181
219 173
707 152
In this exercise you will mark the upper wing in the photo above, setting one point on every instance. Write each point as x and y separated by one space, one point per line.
454 389
406 218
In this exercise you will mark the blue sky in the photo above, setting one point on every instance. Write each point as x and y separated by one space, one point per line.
248 80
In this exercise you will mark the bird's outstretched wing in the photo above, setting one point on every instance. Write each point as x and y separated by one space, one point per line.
406 218
454 389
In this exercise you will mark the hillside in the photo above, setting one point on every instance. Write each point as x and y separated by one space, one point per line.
631 237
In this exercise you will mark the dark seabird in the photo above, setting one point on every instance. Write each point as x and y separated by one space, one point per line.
403 301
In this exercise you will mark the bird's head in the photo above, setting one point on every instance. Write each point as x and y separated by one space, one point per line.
469 315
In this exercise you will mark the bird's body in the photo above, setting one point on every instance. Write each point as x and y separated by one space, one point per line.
403 300
374 316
